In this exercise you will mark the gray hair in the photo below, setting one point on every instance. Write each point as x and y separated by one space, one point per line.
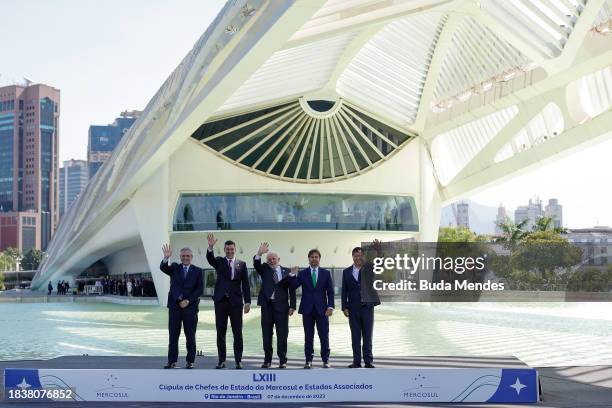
272 253
187 249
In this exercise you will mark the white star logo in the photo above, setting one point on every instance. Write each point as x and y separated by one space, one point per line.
24 385
518 386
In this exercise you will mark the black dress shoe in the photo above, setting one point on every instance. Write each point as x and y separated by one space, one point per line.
354 365
238 365
326 364
189 366
170 365
282 365
221 364
266 365
308 365
369 365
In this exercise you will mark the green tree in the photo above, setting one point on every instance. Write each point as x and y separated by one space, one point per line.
458 234
546 224
461 242
6 262
12 254
590 280
511 233
1 281
31 260
545 252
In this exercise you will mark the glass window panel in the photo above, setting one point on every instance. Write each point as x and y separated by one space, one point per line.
295 211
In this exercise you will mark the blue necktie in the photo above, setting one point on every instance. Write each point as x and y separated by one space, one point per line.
185 270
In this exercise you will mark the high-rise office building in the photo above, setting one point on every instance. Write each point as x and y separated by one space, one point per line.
74 176
530 212
501 218
29 134
462 214
102 140
555 212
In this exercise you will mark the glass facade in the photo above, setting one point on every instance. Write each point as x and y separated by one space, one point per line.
295 211
20 180
7 105
93 168
105 139
28 238
73 180
7 150
47 129
45 231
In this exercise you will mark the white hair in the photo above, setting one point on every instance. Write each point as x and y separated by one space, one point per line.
273 253
187 249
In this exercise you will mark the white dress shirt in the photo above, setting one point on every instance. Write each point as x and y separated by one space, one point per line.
356 273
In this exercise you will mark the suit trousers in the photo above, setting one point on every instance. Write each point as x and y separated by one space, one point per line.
272 317
361 322
188 318
321 321
224 310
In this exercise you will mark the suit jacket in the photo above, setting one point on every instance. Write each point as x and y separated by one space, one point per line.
352 289
235 289
190 288
317 298
284 294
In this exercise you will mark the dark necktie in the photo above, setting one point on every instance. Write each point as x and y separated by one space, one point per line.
275 279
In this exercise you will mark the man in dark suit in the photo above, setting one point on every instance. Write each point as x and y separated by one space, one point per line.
358 305
277 301
316 305
231 287
186 287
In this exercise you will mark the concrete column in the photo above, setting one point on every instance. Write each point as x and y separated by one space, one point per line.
430 198
151 208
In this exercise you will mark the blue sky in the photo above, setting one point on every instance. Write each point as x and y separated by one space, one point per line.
108 56
104 56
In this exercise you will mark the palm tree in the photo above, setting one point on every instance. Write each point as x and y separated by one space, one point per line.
546 224
512 233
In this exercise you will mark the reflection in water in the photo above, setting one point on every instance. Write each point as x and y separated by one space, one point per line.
551 334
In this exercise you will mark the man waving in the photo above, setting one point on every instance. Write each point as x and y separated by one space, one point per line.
277 301
186 287
231 287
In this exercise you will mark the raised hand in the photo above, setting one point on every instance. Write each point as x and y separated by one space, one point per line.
211 240
167 250
294 271
263 248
